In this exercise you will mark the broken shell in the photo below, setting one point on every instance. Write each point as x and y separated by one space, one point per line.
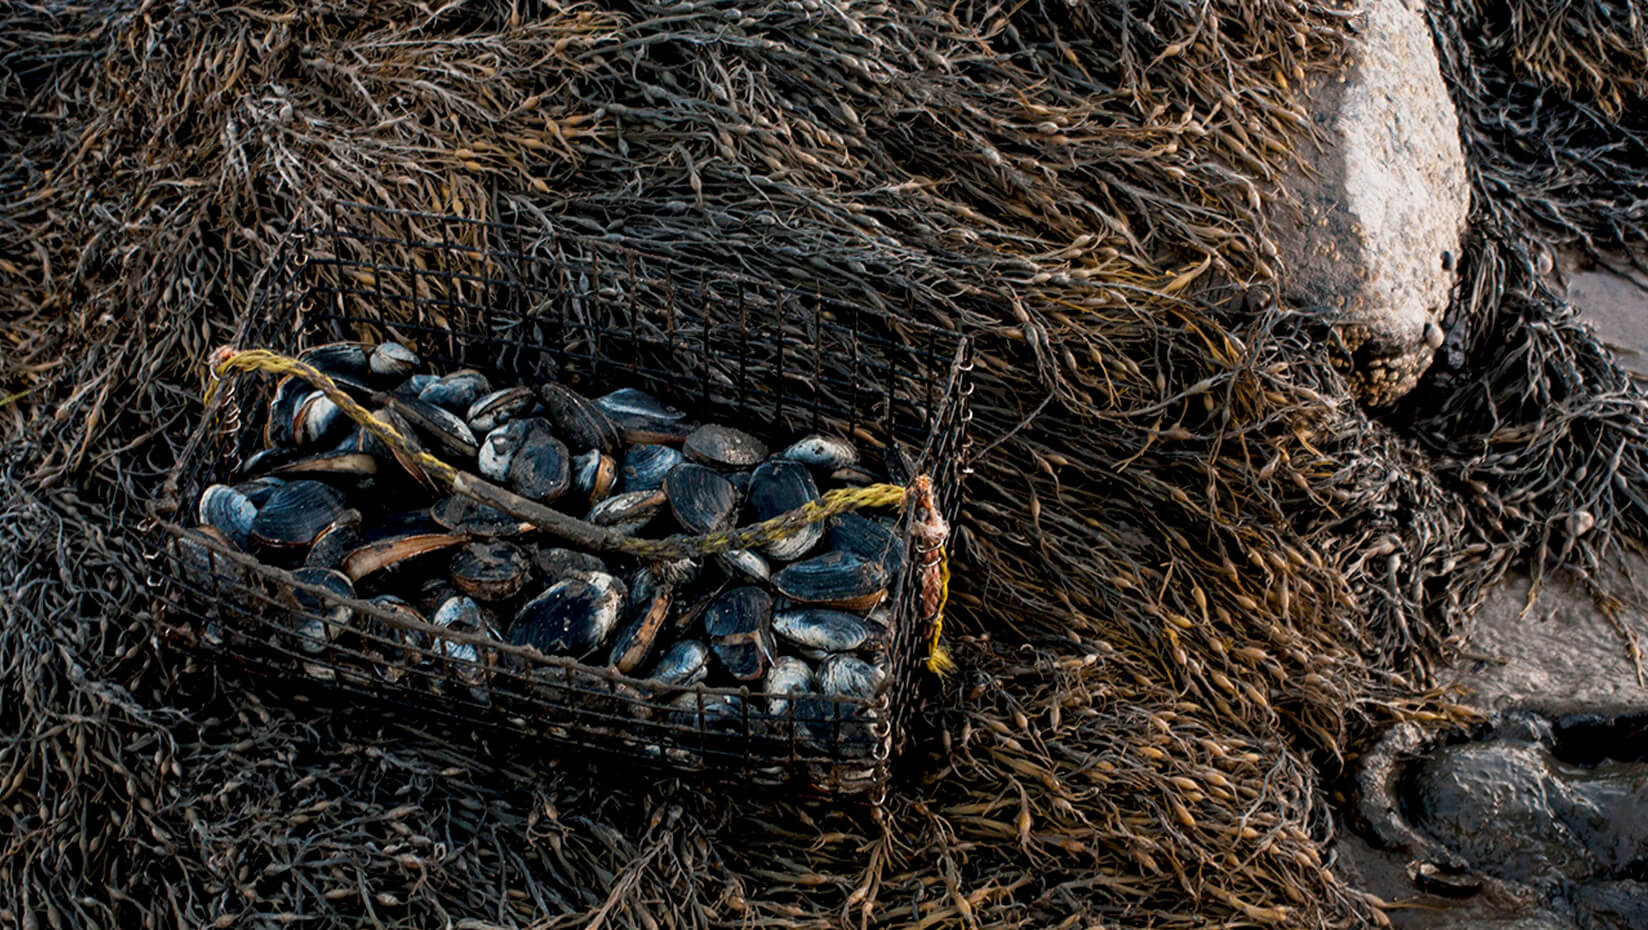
776 488
835 579
724 447
498 449
489 571
700 498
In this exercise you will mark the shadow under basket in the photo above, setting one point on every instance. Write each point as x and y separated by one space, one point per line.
595 314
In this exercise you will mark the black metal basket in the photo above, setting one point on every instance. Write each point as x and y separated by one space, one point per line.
594 314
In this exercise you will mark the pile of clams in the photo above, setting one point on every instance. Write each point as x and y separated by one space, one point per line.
796 621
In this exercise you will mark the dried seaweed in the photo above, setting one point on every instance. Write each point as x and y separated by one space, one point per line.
1191 568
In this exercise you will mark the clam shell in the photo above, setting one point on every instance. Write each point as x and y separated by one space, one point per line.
646 609
711 713
335 542
646 431
867 538
201 563
338 358
701 500
788 675
723 447
738 625
322 619
835 579
343 465
743 564
540 468
258 490
646 465
573 617
489 571
446 428
283 410
822 629
820 451
685 663
392 359
395 550
456 392
492 411
633 402
228 510
318 421
295 514
848 676
624 509
577 420
776 488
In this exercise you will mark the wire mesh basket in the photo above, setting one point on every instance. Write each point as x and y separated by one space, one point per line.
594 314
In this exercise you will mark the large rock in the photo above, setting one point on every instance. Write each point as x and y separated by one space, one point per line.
1371 236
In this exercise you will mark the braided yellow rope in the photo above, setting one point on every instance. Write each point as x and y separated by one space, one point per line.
226 361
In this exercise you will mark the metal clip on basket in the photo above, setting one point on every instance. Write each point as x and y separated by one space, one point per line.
596 315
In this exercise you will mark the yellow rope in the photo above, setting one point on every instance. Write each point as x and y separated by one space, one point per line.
226 361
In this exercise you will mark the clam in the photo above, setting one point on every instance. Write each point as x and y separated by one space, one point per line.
742 563
848 676
776 488
627 513
645 612
835 579
573 617
322 618
338 358
867 538
347 466
498 449
738 626
645 466
632 402
456 392
723 447
460 615
701 500
335 542
559 564
822 629
788 675
318 421
391 644
414 385
392 551
391 359
295 514
257 490
540 468
407 462
489 571
492 411
711 713
579 421
685 663
201 562
463 515
818 451
643 431
228 510
594 474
